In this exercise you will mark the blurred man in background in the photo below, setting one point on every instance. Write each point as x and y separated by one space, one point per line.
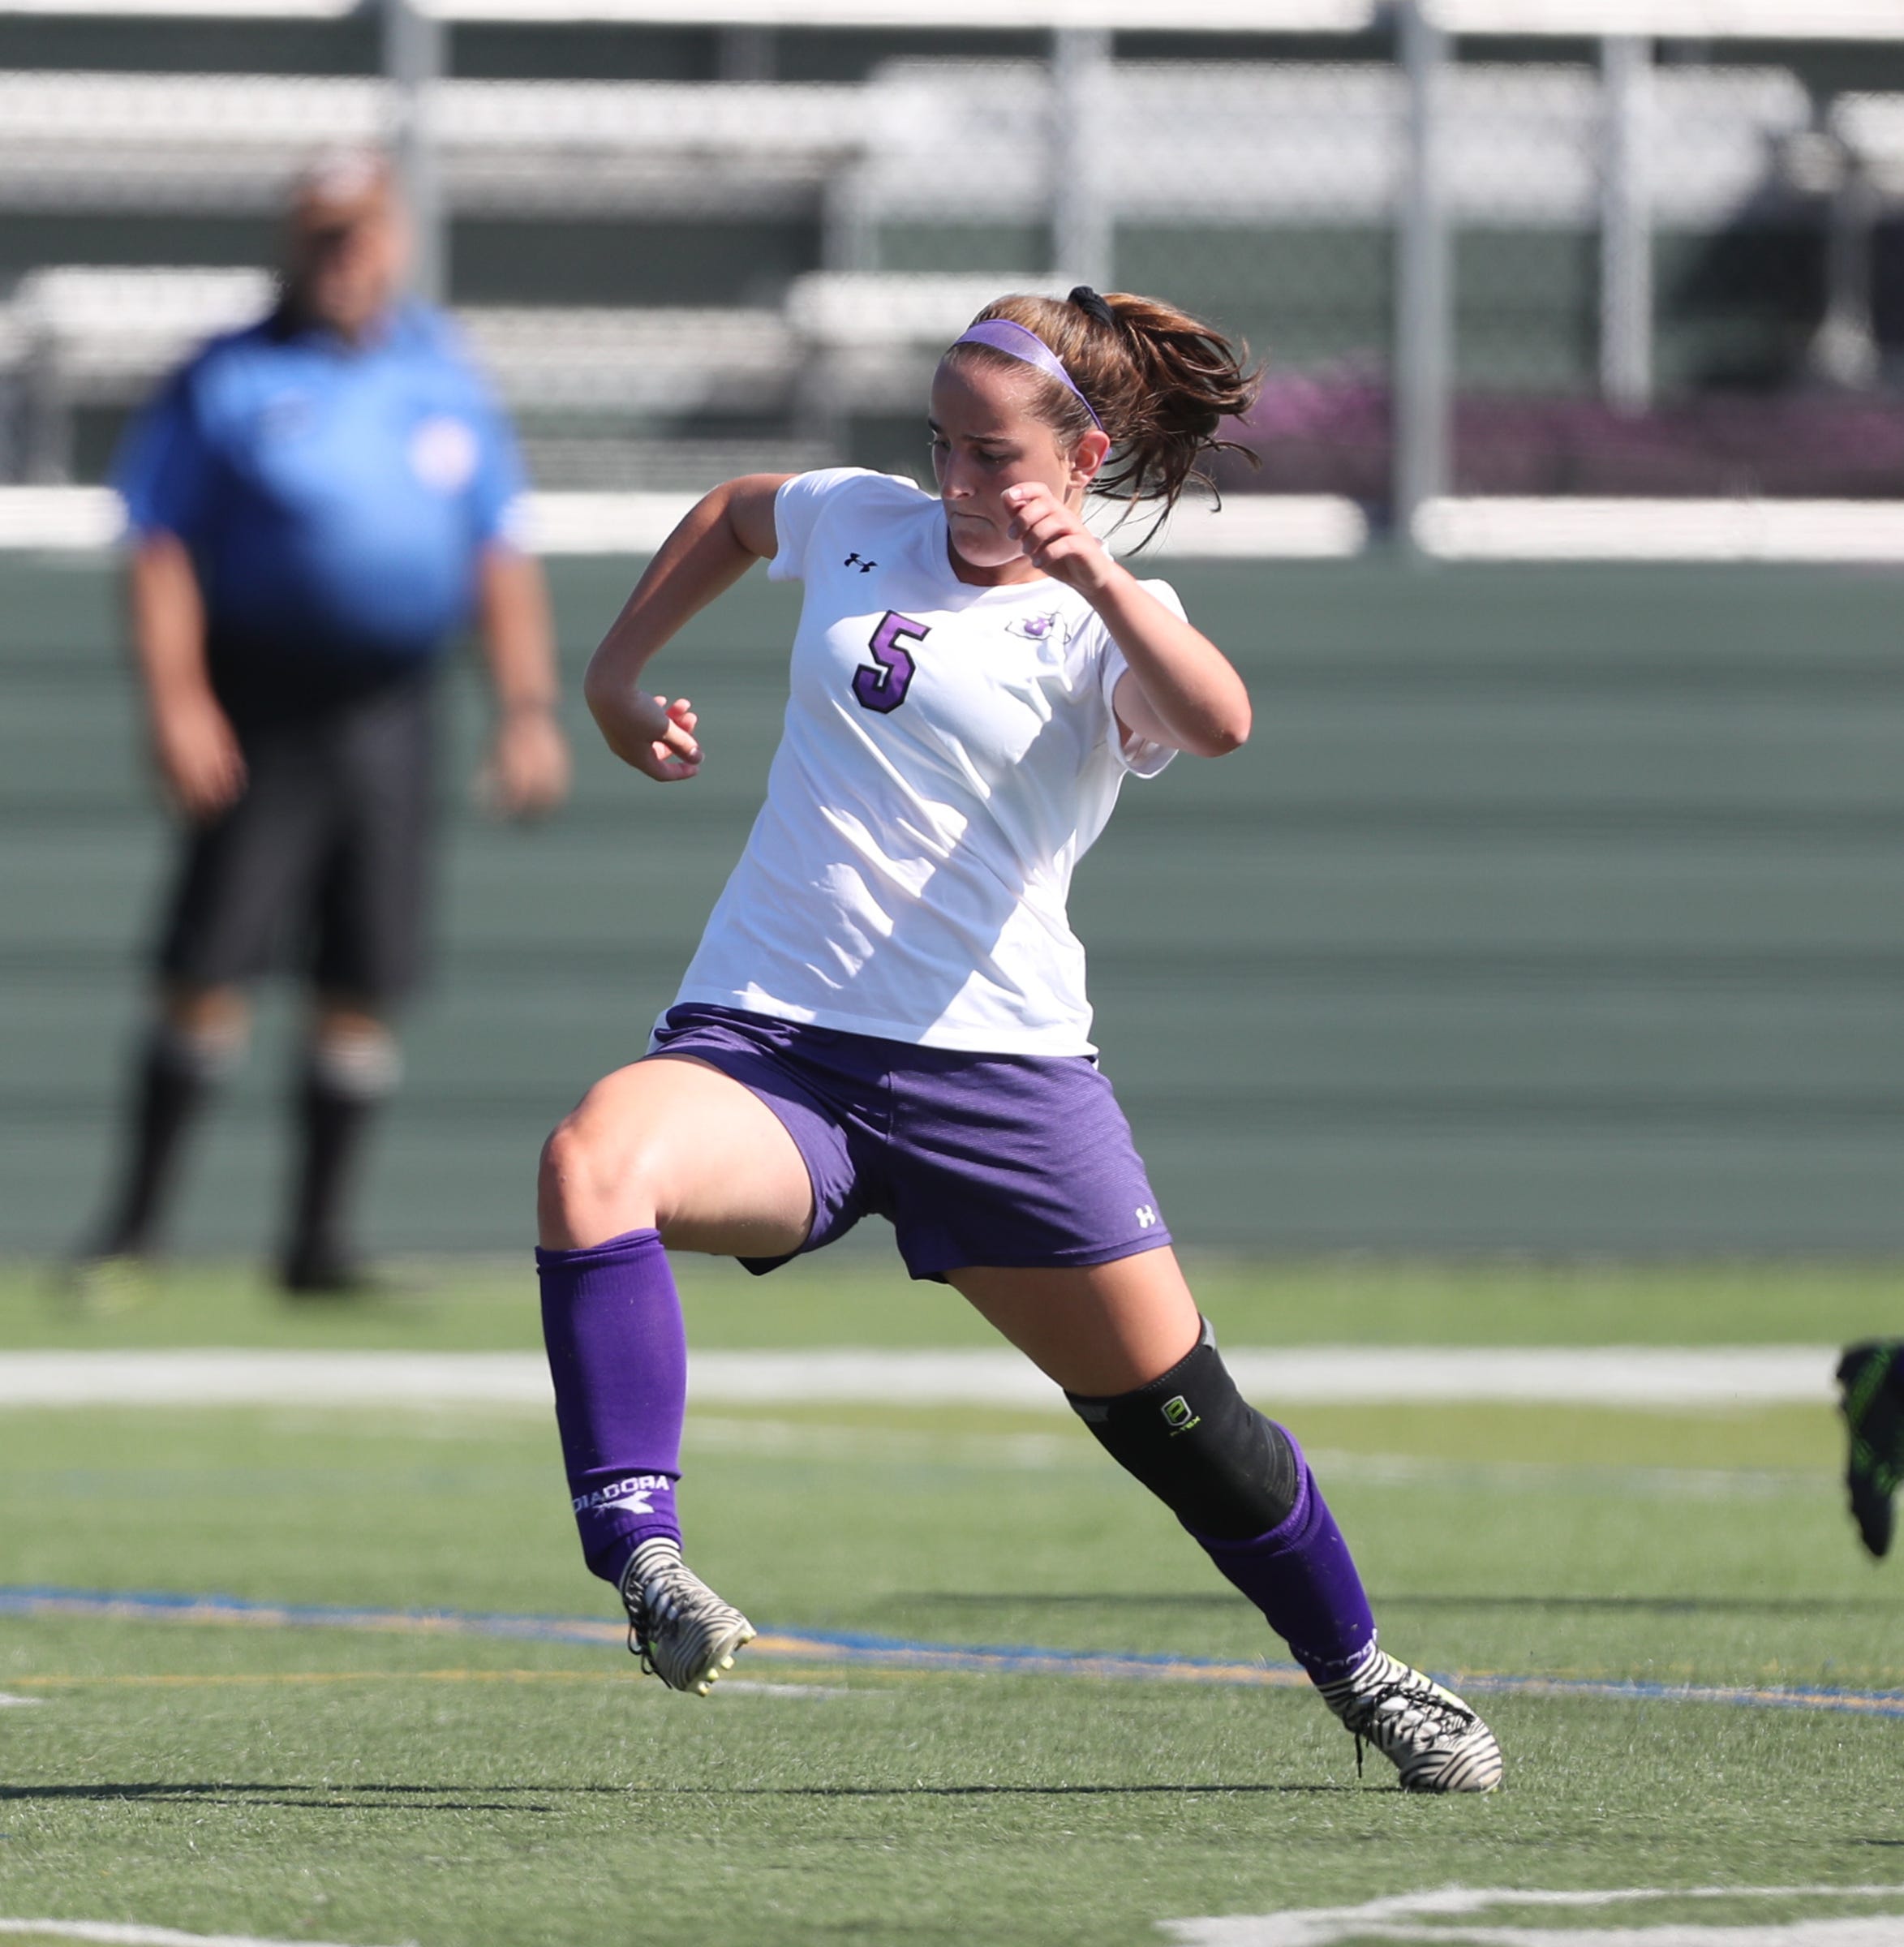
318 506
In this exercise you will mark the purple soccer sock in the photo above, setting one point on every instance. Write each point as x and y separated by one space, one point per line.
610 1318
1301 1576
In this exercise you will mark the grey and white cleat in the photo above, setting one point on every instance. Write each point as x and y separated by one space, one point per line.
1432 1737
681 1630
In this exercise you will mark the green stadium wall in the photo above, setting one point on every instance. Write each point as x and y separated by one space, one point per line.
1556 911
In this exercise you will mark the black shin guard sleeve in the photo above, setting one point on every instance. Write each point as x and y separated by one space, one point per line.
1200 1446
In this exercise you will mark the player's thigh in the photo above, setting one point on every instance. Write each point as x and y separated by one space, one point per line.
674 1145
1100 1329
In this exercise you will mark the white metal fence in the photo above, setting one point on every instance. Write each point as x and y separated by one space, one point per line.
1443 256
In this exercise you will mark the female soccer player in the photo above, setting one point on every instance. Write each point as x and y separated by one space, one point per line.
886 1012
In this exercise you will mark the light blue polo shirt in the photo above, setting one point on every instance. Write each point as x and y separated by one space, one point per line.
336 498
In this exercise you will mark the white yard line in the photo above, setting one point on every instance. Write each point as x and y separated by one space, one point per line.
1664 1376
1423 1918
126 1934
747 1687
220 1376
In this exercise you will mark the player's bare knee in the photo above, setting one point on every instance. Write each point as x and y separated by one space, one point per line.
563 1184
592 1183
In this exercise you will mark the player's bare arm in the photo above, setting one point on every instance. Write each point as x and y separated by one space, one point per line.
721 538
200 766
1180 689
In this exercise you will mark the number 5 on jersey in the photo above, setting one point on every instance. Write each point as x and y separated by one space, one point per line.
881 684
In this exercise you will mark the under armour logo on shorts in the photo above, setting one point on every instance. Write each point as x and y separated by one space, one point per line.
1146 1216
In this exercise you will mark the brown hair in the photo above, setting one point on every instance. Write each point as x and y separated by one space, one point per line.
1160 381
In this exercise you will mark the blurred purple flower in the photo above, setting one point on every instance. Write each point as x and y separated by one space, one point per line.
1328 431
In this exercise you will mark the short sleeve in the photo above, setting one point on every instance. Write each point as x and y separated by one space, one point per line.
1140 756
497 486
449 375
165 469
796 509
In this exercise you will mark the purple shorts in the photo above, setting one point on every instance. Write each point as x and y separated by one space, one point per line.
1017 1160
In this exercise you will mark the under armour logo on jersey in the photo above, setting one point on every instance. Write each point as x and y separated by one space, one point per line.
1146 1216
852 560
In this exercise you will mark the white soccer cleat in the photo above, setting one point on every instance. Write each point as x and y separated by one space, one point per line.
1432 1737
681 1630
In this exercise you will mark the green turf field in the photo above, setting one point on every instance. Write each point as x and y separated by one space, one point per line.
374 1785
857 1294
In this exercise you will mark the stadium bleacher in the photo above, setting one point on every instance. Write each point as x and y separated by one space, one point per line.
1261 191
233 141
81 335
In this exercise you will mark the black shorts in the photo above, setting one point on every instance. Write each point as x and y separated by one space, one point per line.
322 866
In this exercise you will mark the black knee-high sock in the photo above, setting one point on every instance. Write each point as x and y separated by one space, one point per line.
338 1101
175 1077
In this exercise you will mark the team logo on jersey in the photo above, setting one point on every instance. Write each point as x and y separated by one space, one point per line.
286 415
1049 630
444 455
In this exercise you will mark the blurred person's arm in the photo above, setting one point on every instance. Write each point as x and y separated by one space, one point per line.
165 473
193 743
528 771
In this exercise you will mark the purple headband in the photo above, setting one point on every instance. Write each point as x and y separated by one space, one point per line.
1014 341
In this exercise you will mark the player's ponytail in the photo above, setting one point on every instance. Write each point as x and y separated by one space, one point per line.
1160 382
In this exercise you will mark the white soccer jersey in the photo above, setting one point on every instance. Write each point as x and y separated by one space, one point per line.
950 753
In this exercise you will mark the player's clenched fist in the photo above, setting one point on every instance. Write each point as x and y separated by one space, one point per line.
651 733
1055 538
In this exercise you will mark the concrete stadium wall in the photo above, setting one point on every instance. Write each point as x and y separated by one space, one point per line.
1549 910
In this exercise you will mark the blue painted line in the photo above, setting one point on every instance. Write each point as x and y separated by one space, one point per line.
836 1647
